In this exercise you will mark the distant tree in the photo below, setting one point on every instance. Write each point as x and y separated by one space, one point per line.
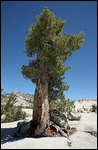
49 49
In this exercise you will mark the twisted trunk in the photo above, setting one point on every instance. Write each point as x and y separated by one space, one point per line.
41 107
40 125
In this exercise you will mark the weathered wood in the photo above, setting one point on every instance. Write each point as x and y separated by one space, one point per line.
37 109
41 107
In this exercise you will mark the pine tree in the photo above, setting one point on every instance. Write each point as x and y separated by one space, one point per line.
9 110
49 49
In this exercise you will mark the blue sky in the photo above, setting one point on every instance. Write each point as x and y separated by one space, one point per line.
16 16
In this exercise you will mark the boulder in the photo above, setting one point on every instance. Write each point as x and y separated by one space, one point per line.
74 116
59 118
23 99
86 105
92 129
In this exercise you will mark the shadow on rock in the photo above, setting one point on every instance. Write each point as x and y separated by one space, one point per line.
7 135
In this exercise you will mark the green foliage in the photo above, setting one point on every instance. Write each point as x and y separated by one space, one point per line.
71 130
46 45
1 90
63 105
9 110
94 108
68 127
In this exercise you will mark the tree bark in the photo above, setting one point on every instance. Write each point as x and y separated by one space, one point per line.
41 104
41 107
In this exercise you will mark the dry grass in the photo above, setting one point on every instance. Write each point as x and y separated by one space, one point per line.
72 130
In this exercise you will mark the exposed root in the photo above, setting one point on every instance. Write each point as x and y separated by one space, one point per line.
28 130
51 129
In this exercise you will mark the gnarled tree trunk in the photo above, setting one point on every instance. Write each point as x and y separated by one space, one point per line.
41 107
41 125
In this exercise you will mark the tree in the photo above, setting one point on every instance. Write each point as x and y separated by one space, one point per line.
63 106
49 49
10 112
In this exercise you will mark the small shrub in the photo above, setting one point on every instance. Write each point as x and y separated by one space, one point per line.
71 130
9 110
94 108
81 111
68 127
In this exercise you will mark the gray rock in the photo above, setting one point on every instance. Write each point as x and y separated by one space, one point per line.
92 129
59 118
86 99
23 99
74 116
85 105
22 129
